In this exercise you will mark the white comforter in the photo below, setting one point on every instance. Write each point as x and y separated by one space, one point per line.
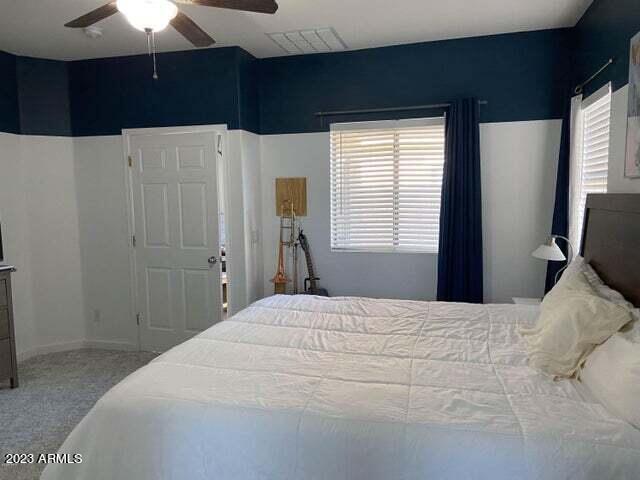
351 389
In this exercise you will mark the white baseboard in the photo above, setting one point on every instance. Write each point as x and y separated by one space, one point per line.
75 345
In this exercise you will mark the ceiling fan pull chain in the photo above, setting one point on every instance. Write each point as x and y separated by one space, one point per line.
153 44
151 47
148 32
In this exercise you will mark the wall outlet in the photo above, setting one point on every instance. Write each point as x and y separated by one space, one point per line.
97 315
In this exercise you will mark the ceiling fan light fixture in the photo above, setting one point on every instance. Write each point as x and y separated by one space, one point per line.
148 15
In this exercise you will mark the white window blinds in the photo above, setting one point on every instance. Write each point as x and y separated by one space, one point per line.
386 181
591 169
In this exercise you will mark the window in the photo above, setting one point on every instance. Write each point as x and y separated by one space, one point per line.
590 162
386 180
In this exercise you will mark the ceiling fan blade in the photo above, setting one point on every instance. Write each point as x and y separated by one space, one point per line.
260 6
191 31
94 16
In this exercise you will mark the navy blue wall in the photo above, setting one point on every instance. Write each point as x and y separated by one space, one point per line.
604 31
194 88
281 95
9 112
43 95
523 76
248 92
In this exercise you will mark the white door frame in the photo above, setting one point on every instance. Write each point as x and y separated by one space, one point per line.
222 162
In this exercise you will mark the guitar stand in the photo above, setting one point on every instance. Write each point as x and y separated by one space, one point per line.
295 268
307 283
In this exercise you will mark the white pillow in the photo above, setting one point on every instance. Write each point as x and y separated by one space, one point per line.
604 290
568 281
631 331
612 374
573 320
576 265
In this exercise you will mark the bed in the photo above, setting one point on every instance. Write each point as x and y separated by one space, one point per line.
298 387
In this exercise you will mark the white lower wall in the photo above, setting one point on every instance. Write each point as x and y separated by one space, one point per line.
64 217
234 220
362 274
244 217
252 214
518 174
38 209
56 273
519 165
104 239
14 217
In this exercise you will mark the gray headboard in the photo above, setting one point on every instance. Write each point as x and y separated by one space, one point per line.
611 241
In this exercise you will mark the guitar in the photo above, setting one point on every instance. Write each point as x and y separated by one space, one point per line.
312 280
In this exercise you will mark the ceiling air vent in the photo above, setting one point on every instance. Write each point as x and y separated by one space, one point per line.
317 40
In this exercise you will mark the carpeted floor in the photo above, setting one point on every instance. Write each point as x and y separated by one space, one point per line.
56 391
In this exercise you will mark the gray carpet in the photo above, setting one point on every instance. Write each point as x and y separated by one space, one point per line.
56 391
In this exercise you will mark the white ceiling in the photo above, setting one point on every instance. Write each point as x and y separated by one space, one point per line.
35 27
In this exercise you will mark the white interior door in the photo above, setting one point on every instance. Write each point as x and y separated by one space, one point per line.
175 222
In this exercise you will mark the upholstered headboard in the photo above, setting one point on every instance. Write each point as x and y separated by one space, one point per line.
611 241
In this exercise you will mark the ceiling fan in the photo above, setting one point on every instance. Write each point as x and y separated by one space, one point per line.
152 16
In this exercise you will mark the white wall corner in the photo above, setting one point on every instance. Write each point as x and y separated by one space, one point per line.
252 201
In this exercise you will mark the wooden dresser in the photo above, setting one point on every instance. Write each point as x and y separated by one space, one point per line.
8 363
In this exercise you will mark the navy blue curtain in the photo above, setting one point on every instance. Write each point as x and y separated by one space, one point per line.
460 245
560 224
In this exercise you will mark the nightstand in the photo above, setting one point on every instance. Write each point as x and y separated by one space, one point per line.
526 301
8 364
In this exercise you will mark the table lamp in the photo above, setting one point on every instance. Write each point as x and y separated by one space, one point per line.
550 251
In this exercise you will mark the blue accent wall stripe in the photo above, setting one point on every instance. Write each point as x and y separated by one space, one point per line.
523 76
9 111
43 96
248 92
281 95
95 100
194 87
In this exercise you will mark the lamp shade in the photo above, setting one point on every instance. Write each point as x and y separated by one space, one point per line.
152 15
549 251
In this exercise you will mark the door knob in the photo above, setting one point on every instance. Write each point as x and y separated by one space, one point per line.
212 260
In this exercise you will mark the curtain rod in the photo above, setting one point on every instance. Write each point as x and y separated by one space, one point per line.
390 109
578 89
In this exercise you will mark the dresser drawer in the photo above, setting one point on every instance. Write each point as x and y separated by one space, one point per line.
4 297
4 322
5 358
